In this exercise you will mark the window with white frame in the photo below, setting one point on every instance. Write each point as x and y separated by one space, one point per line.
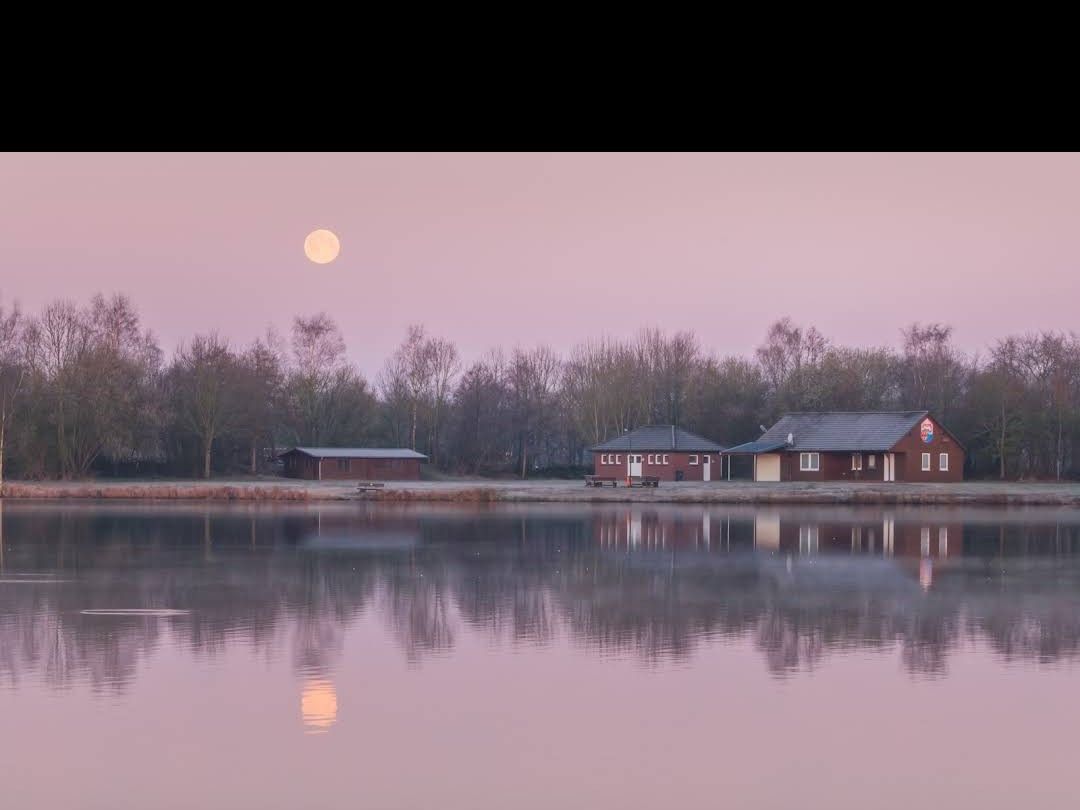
603 458
856 461
650 458
706 459
871 461
618 459
809 462
693 459
926 462
665 458
943 462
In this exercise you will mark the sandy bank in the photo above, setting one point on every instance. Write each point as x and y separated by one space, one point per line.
484 491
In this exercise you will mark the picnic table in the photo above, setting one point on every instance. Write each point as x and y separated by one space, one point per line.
600 480
643 481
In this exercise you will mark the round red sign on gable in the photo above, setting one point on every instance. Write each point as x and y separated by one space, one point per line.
926 430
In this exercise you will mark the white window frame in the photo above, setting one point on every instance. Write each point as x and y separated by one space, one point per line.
809 462
693 460
603 458
871 462
706 459
943 462
856 461
926 462
665 458
618 459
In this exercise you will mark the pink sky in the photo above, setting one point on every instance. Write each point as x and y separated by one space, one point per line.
523 248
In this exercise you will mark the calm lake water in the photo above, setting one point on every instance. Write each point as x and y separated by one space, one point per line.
362 656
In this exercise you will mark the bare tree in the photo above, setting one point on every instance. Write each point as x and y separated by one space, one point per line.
204 380
532 378
445 366
412 370
261 380
13 371
327 400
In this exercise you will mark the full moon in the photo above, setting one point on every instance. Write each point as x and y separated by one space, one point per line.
322 246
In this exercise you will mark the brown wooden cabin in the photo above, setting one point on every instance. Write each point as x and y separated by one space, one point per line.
353 463
856 446
664 451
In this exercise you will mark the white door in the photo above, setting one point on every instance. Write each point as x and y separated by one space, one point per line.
706 468
633 465
889 467
767 467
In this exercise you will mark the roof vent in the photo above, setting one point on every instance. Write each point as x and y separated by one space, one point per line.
791 438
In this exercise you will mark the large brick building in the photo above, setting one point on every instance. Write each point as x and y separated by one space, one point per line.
664 451
353 463
856 446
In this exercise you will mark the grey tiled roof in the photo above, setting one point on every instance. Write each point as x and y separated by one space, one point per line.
843 431
357 452
659 437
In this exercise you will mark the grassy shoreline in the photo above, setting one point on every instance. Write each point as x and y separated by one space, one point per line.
486 491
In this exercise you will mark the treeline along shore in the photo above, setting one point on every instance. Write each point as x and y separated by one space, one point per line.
87 392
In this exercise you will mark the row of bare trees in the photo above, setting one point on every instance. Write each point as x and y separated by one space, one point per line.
86 389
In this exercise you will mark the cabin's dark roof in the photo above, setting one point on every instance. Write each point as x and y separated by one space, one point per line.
838 431
660 437
356 452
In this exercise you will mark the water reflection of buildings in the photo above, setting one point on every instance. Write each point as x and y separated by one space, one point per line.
884 534
656 583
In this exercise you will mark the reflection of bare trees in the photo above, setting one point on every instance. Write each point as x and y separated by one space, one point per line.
294 581
415 601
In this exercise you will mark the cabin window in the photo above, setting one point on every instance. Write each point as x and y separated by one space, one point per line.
926 462
618 459
651 458
809 462
693 459
871 461
343 464
856 461
665 458
943 462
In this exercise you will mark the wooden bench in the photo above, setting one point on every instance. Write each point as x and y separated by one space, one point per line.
369 486
643 481
600 480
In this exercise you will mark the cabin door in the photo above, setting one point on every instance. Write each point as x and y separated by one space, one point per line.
633 465
706 468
